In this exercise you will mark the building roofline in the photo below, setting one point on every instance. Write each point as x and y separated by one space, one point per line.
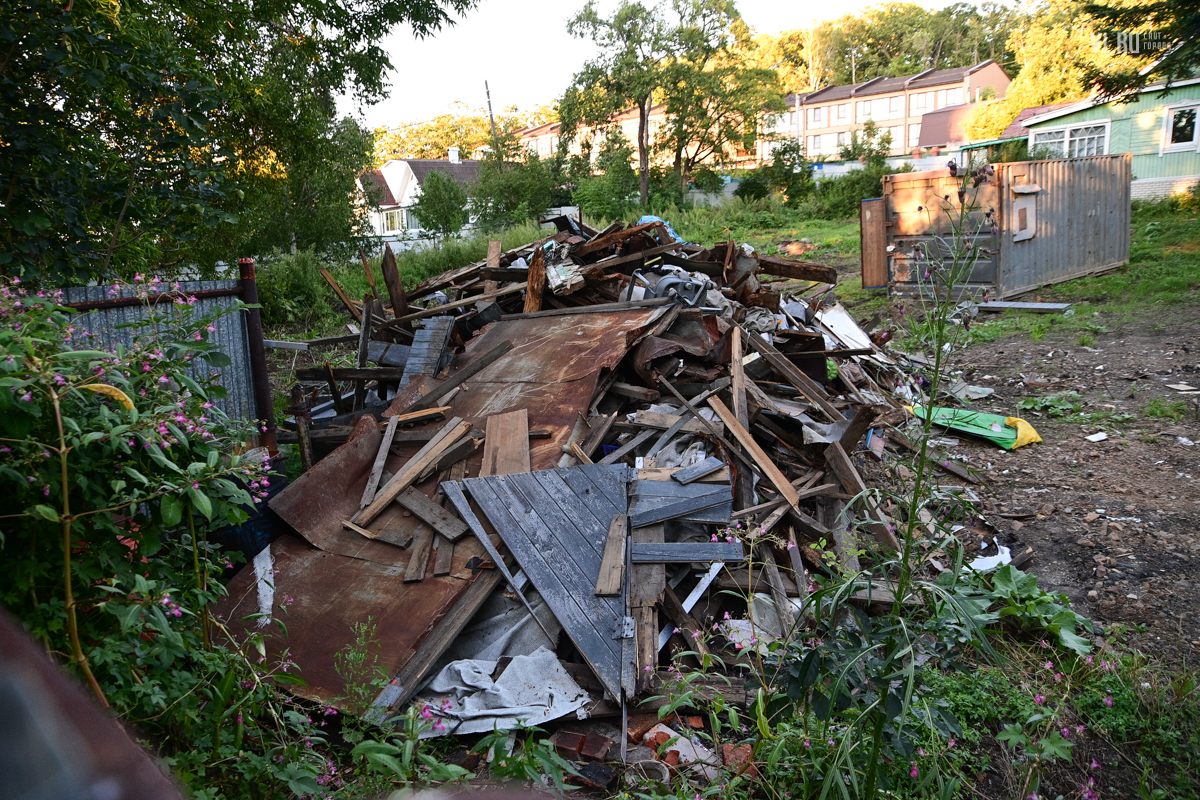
1096 100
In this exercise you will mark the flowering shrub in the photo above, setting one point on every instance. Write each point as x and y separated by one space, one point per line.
115 465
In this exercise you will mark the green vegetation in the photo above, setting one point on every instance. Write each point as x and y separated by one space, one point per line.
441 208
1173 410
1056 405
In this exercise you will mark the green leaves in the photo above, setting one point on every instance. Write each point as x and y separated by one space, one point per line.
201 502
45 512
171 508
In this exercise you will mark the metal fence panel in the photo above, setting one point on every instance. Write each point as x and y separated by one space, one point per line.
230 335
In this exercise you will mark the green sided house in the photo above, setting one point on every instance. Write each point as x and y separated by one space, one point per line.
1160 131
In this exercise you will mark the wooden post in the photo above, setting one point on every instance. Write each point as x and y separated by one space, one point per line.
364 339
537 282
493 262
341 293
367 269
300 409
395 287
646 586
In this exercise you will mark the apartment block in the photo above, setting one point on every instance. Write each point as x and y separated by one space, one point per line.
823 119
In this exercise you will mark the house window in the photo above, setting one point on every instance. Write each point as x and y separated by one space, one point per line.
843 113
392 221
843 139
862 110
920 100
815 118
814 144
1183 127
410 220
894 107
1052 141
1086 141
914 135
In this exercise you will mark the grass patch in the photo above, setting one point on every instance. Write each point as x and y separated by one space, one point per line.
1157 408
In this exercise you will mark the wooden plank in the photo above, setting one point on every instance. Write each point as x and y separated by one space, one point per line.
364 341
436 517
328 375
506 444
796 270
841 466
612 563
493 266
303 425
391 279
1036 308
686 552
635 392
428 355
864 417
348 374
385 445
616 237
592 493
688 625
454 430
580 535
873 244
536 282
666 473
776 587
418 561
442 309
443 556
627 448
611 481
661 421
341 294
764 463
599 308
578 453
462 376
693 473
799 573
653 488
812 392
646 586
597 434
649 512
590 521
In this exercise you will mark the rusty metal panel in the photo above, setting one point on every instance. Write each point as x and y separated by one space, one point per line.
552 371
873 243
319 596
230 335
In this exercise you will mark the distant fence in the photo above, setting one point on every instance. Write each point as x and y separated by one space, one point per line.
104 315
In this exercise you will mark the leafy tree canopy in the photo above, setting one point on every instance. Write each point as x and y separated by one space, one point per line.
1167 34
464 127
442 205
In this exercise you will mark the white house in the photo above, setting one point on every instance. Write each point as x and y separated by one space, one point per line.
397 185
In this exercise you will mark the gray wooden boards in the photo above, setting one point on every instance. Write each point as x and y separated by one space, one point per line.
556 523
655 501
438 518
687 552
1037 308
428 354
612 563
697 471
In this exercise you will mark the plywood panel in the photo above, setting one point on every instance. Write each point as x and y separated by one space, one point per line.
874 243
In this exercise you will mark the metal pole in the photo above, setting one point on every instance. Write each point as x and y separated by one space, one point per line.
263 406
495 139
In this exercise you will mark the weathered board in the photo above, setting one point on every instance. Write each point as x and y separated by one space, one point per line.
429 354
686 552
556 524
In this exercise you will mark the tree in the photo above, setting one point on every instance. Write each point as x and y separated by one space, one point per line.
442 205
464 127
790 171
1053 48
131 133
713 100
610 191
634 44
1167 34
870 145
510 193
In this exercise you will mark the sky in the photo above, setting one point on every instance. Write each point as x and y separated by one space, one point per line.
522 49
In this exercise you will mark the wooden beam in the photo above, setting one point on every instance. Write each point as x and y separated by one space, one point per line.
345 298
449 526
493 265
609 239
646 585
764 463
840 464
393 282
596 436
364 341
454 430
812 392
506 444
442 309
328 373
627 448
380 458
686 552
796 270
367 269
536 283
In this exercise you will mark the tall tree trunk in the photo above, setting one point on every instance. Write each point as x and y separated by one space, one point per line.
644 150
679 173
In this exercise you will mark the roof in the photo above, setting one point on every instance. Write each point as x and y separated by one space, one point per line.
875 86
464 172
1095 100
945 126
1017 126
374 182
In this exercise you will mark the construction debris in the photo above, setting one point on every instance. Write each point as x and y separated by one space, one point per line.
588 435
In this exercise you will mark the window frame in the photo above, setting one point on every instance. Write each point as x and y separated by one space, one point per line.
1165 146
1065 130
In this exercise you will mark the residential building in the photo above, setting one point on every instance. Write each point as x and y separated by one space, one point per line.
1159 130
397 185
824 119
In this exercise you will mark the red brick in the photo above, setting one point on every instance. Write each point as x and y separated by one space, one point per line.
595 747
670 758
567 743
658 740
695 722
639 726
739 757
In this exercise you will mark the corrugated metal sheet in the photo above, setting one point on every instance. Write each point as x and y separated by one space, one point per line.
1083 214
230 335
1081 222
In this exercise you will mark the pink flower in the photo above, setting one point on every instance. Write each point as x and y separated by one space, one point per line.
1095 764
27 397
791 546
807 743
1037 698
914 772
714 537
1108 702
1049 665
953 741
330 711
426 712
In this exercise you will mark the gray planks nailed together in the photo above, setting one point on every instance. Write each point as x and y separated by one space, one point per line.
556 524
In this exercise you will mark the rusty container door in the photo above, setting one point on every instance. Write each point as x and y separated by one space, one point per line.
873 238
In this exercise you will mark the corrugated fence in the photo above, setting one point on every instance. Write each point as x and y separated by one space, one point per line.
230 335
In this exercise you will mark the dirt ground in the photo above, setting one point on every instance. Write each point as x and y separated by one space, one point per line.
1117 525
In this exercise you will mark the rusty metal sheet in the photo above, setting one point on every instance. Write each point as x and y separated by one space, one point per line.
552 371
316 503
325 594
